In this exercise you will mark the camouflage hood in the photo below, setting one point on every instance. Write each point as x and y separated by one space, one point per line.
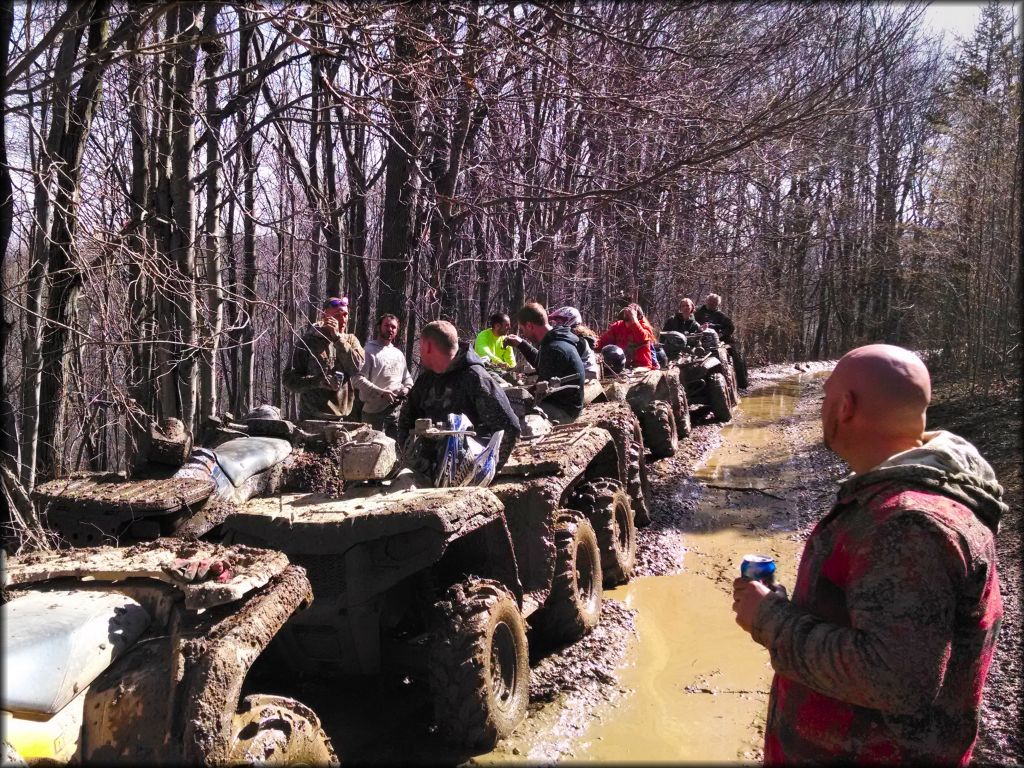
945 464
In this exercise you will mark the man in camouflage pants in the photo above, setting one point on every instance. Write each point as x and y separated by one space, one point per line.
881 655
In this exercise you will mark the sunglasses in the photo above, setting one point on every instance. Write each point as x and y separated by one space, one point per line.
337 304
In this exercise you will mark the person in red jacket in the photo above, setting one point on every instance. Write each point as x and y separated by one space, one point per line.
635 340
882 653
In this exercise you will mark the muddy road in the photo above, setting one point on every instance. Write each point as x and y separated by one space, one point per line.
667 675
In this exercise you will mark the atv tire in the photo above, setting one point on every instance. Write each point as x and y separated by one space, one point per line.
659 425
638 484
680 406
718 397
730 380
274 730
573 606
606 505
479 670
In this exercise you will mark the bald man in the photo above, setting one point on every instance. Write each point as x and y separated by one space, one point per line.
882 653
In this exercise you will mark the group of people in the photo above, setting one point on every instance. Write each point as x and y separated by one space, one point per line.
330 369
334 376
882 651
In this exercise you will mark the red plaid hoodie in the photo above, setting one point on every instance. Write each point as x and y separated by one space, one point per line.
882 653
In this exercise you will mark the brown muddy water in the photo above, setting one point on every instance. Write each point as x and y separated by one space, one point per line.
696 686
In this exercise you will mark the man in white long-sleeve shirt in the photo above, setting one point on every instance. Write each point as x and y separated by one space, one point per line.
384 379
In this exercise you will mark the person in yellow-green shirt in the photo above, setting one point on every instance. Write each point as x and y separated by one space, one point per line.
490 342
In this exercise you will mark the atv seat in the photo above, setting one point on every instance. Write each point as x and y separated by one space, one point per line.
57 643
244 457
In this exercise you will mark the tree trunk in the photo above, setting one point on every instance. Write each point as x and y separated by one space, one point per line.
182 254
6 194
68 136
247 357
215 50
400 181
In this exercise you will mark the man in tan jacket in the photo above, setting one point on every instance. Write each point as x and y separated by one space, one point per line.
324 363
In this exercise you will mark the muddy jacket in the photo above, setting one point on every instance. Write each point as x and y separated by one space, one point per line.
314 360
718 320
467 388
882 654
561 353
681 324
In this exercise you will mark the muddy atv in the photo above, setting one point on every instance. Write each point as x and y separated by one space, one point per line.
707 374
141 655
568 481
182 490
407 579
616 418
659 402
442 581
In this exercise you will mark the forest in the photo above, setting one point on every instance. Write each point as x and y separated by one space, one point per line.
182 183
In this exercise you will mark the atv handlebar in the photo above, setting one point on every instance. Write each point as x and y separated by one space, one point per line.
427 428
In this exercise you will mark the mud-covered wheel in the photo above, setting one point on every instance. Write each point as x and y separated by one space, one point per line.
680 407
730 381
659 427
479 669
606 505
683 424
638 484
718 397
573 607
274 730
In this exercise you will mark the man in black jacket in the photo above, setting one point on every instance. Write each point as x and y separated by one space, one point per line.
454 380
683 320
710 315
559 354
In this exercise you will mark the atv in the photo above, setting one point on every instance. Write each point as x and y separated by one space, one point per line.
658 401
141 655
444 580
708 376
405 578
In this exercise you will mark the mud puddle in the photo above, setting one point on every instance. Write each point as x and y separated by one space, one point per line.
695 685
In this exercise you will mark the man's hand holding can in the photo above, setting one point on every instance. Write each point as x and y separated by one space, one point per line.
756 582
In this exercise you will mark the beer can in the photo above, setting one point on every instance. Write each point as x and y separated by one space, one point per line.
758 568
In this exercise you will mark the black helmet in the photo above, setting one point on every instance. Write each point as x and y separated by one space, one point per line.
614 358
673 342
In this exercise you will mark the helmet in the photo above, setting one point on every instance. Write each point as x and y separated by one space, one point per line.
567 316
263 412
673 342
463 461
614 358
